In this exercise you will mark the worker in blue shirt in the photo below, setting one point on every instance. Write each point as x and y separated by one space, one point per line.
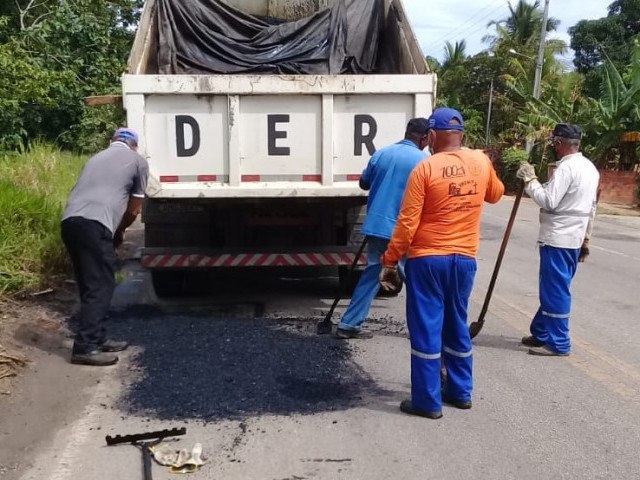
385 177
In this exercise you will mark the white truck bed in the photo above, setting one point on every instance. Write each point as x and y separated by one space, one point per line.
268 135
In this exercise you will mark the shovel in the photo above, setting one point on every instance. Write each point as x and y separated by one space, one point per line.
475 327
324 327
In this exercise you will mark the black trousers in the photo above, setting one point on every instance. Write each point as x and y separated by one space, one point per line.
90 246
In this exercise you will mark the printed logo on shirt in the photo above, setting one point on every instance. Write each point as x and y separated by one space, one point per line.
469 187
453 171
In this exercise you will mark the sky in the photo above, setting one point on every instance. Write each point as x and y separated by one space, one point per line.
436 21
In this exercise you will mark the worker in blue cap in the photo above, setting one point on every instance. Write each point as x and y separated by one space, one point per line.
105 200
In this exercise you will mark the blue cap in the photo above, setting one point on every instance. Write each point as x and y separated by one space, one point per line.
124 133
445 119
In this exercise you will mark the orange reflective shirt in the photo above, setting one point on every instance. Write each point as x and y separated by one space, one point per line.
441 206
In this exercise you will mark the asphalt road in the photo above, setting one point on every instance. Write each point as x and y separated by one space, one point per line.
267 398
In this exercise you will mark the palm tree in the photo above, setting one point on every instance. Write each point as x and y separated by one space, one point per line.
454 55
521 29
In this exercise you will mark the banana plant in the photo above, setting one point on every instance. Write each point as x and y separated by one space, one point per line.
616 122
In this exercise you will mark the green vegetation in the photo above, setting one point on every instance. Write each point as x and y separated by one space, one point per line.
602 94
33 191
53 54
512 157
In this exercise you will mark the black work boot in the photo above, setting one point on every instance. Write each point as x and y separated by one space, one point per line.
461 404
407 407
531 341
113 346
95 358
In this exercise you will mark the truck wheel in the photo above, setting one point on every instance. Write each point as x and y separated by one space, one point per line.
177 283
167 283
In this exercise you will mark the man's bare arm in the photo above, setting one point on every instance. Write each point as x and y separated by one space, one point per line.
133 210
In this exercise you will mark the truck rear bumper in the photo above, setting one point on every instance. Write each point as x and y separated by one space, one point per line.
162 258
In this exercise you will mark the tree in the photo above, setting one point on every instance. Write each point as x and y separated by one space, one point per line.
433 63
616 123
610 36
76 48
454 55
521 29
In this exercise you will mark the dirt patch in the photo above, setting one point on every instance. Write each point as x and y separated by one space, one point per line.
28 319
41 318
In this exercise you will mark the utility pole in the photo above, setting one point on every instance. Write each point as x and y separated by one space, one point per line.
487 130
539 62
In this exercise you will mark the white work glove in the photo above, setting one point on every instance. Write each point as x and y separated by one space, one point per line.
526 172
178 461
390 281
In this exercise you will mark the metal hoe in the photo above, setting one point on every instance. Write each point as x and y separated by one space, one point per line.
324 327
475 327
135 439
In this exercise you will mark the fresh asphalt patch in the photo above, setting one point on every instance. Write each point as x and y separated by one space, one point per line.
210 367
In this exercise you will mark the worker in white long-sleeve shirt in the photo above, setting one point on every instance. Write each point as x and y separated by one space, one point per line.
567 211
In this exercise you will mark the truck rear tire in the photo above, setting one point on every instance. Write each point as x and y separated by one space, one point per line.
176 283
167 283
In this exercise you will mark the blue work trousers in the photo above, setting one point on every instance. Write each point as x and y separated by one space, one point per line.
367 287
551 323
438 290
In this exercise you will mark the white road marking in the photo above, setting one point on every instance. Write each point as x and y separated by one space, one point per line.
613 252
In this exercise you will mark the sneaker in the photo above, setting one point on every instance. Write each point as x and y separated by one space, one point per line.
346 334
95 358
531 341
113 346
461 404
407 407
546 352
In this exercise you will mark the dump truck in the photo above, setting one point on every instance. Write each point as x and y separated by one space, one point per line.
257 118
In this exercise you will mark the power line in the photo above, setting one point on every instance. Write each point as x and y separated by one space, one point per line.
472 18
461 31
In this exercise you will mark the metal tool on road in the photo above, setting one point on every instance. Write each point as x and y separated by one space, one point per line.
325 326
475 327
137 440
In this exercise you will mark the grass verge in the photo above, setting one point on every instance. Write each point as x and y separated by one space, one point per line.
33 190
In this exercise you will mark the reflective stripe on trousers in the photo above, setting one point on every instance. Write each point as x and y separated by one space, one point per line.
438 289
551 322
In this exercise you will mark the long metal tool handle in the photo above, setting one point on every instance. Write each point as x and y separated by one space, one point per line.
475 328
351 269
324 327
146 462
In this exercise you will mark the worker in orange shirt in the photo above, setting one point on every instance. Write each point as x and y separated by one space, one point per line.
438 228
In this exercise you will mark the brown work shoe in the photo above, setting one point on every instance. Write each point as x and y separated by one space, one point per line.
546 352
407 407
95 358
347 334
531 341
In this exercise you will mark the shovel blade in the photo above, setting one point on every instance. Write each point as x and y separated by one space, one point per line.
474 328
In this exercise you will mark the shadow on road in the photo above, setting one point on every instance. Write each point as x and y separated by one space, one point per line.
498 341
211 368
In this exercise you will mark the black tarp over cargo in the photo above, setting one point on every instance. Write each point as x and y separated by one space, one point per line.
209 36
